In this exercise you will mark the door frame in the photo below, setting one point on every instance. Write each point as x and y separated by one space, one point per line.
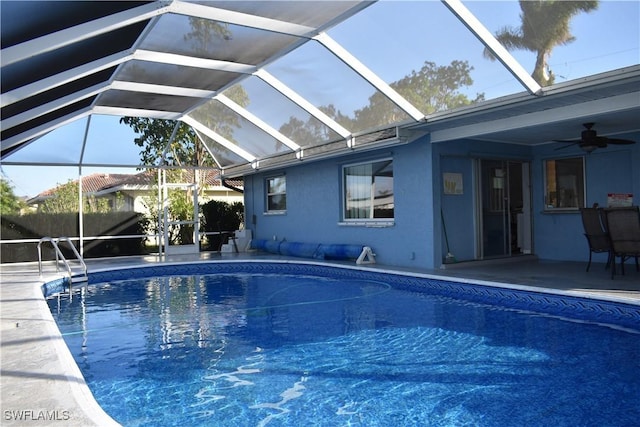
166 222
516 223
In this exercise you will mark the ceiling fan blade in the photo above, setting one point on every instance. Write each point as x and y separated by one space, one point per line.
569 144
616 141
590 140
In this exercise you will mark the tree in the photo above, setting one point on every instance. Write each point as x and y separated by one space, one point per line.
219 216
433 88
65 199
186 149
545 25
154 136
9 202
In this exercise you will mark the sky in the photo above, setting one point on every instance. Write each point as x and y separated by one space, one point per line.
392 38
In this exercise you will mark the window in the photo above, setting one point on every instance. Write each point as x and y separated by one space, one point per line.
277 194
368 190
564 186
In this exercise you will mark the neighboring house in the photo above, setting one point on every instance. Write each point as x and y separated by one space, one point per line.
130 192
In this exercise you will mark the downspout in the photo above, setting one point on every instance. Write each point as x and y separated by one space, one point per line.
225 184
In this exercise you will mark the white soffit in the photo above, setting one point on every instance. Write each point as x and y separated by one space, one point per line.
608 105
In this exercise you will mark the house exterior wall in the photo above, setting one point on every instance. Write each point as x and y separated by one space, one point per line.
140 201
314 200
614 169
314 206
221 194
458 211
137 200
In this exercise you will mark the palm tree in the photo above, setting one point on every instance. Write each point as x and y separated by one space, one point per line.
545 25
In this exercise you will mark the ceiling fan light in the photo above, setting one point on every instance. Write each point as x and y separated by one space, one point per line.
588 148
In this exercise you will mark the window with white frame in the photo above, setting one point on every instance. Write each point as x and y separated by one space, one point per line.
276 188
564 184
368 190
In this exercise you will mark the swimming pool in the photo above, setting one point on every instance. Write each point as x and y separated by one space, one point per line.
254 343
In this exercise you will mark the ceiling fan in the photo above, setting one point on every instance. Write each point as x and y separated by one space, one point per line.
590 140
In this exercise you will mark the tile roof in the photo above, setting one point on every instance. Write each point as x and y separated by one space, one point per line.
98 182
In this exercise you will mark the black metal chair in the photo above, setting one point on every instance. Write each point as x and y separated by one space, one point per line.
623 227
595 233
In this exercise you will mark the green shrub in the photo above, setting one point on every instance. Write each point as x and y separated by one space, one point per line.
220 216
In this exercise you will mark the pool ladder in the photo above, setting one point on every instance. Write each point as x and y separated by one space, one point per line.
74 277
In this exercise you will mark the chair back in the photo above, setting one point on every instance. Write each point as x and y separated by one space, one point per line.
623 223
594 229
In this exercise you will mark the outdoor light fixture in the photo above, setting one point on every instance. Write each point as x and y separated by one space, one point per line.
588 148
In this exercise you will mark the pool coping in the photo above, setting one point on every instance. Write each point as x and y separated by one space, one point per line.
389 270
43 380
41 384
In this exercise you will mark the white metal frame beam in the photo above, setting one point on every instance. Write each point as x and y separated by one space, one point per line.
81 32
219 138
45 128
369 76
65 77
79 72
53 105
155 10
103 87
239 18
161 89
211 153
136 112
485 36
167 146
257 121
302 102
190 61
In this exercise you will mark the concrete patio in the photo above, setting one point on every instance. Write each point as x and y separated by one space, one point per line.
42 385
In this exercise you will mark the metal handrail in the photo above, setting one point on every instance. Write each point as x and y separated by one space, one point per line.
75 252
59 255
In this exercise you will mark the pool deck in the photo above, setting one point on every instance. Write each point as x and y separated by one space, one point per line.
41 384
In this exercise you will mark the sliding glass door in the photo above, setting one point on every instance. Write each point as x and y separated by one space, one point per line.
504 208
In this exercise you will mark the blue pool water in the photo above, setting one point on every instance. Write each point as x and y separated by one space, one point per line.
294 345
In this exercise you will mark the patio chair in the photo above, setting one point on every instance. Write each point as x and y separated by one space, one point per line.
623 226
595 233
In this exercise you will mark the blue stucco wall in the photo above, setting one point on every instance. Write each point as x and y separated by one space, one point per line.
459 211
314 206
416 239
614 169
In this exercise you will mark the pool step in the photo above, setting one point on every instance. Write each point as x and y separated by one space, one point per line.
79 278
